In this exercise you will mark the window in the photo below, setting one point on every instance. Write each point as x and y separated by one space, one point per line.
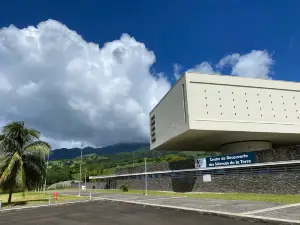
152 129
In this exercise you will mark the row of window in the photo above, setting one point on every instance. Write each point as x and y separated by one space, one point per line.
261 115
247 107
259 101
152 127
257 94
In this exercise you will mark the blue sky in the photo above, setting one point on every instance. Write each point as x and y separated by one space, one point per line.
57 81
184 32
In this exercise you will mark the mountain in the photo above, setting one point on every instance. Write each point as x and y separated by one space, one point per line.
64 153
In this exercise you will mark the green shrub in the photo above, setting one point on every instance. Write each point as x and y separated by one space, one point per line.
124 187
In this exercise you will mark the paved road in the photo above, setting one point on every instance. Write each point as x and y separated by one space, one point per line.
111 213
228 206
269 210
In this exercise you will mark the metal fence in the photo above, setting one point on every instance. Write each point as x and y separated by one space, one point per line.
251 169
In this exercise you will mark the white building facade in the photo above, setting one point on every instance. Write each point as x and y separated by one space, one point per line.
226 113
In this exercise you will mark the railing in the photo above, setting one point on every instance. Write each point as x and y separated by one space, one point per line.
251 169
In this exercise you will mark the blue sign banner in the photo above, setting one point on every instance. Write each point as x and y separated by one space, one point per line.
231 160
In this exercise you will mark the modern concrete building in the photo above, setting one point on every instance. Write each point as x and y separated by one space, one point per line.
226 113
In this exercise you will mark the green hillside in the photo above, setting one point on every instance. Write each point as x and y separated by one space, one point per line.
97 164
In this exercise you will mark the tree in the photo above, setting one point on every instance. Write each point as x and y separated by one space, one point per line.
173 158
23 165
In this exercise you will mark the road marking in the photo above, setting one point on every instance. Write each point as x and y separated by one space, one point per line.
217 213
39 206
270 209
153 199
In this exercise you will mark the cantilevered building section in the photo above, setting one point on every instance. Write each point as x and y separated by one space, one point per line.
225 113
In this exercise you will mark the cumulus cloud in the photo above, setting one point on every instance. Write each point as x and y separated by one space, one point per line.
255 64
228 60
204 67
177 71
73 90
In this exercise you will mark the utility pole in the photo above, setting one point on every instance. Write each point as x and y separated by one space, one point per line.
146 181
79 192
132 155
47 163
85 180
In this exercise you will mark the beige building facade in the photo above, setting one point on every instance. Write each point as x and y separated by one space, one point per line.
226 113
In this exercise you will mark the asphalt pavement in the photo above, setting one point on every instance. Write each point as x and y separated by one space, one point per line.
111 213
265 210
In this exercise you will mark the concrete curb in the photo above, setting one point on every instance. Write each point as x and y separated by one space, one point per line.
239 216
46 205
208 212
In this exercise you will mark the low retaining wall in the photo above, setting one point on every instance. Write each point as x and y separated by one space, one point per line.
92 185
278 154
276 181
282 183
156 184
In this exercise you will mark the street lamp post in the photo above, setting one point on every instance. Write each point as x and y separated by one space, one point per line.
85 179
146 181
47 163
79 192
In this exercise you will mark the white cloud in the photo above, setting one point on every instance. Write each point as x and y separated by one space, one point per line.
228 60
176 70
27 89
56 144
73 90
204 67
255 64
5 86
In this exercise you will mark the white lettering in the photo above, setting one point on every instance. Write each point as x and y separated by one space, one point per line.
245 161
222 163
229 157
214 159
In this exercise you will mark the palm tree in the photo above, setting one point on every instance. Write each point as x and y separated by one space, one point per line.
23 158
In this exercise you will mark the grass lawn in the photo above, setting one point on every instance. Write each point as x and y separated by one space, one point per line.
35 198
226 196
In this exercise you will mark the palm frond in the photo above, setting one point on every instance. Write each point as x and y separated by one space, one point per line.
35 170
8 171
35 163
38 148
33 133
16 131
24 156
3 162
8 144
13 128
20 133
